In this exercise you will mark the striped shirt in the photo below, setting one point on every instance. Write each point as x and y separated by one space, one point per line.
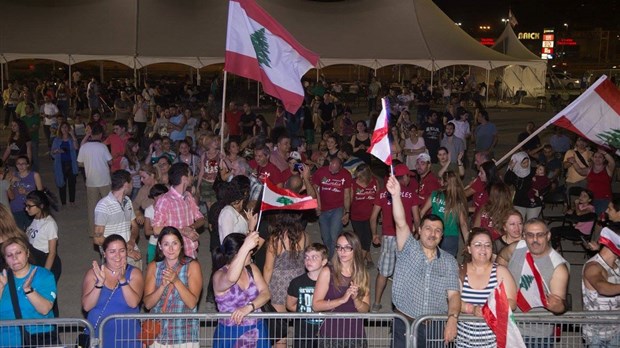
476 334
116 217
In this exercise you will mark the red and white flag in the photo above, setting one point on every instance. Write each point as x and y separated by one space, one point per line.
532 291
512 19
259 48
380 143
498 315
594 115
275 197
610 239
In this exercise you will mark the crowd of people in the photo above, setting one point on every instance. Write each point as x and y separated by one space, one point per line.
163 173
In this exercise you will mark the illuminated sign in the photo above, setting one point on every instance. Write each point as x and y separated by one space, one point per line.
566 42
487 41
547 44
529 36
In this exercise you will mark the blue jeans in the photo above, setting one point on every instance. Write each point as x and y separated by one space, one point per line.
450 244
598 342
539 342
330 223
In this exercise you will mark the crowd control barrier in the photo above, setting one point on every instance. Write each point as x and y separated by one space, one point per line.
55 332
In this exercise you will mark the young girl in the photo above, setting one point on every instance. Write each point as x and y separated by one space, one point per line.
43 233
149 214
131 163
540 183
582 220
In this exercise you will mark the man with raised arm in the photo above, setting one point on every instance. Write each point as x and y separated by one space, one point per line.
426 278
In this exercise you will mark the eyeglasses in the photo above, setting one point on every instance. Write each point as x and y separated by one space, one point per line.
30 205
529 235
346 248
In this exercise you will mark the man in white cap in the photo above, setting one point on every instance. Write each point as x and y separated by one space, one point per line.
383 205
426 181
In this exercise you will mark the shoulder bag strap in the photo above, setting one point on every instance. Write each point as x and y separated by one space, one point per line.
13 294
104 307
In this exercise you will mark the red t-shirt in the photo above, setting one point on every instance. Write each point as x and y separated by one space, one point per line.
363 200
232 120
481 196
409 199
331 187
425 188
269 171
600 184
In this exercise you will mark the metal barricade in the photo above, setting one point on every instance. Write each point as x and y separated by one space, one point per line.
571 329
53 332
307 330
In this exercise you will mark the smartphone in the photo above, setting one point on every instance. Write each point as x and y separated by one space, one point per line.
299 167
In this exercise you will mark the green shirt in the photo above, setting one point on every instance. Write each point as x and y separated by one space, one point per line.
30 121
450 224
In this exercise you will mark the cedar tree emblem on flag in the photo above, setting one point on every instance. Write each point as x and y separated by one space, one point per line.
261 46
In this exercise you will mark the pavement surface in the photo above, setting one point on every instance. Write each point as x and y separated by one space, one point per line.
76 251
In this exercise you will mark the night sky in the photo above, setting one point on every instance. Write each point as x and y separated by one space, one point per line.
535 14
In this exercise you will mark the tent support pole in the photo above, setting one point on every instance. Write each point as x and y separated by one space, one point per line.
258 94
223 113
7 76
317 74
198 77
453 72
70 82
432 73
2 76
399 79
487 89
135 74
101 71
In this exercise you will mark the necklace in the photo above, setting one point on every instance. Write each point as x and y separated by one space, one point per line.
111 270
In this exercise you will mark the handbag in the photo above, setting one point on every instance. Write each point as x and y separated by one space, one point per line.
151 328
83 339
277 328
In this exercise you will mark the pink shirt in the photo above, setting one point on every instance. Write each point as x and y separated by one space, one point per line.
176 210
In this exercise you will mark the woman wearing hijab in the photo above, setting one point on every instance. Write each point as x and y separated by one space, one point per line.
519 175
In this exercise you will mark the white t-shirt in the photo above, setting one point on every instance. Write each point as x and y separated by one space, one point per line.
95 157
41 231
149 213
230 221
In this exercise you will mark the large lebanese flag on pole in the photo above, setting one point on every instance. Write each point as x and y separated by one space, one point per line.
259 48
380 143
275 197
499 318
594 115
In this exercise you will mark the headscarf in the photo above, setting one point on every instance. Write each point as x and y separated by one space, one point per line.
518 169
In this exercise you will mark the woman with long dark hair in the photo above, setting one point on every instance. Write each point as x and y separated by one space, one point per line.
64 150
481 186
173 285
19 143
240 290
43 232
22 182
131 163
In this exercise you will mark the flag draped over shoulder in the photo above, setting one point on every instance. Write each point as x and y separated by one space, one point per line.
610 239
595 115
379 142
259 48
499 318
532 291
275 197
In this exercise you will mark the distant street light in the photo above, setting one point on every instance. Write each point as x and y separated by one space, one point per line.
504 20
459 23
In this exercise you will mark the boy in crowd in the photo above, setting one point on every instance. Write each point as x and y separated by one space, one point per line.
300 293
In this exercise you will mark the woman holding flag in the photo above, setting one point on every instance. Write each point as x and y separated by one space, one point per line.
479 278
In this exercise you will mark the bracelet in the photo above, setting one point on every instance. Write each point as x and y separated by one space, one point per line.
123 284
98 286
29 291
253 306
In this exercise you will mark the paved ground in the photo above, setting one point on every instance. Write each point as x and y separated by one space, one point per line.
77 253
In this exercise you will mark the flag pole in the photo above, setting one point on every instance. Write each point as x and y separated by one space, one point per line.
260 210
223 114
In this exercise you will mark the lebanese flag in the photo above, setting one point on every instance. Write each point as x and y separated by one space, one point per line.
259 48
595 115
275 197
499 318
610 239
532 288
512 19
380 143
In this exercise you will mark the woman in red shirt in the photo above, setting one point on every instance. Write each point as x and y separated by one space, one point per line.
598 176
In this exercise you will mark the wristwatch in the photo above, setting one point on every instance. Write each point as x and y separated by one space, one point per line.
456 316
253 306
29 291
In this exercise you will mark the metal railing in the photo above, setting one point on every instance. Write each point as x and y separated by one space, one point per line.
53 332
572 329
258 329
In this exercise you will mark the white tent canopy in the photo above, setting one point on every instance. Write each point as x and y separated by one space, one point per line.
529 78
138 33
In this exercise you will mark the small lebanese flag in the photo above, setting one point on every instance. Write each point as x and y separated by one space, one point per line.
275 197
610 239
380 143
532 288
499 318
595 115
259 48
